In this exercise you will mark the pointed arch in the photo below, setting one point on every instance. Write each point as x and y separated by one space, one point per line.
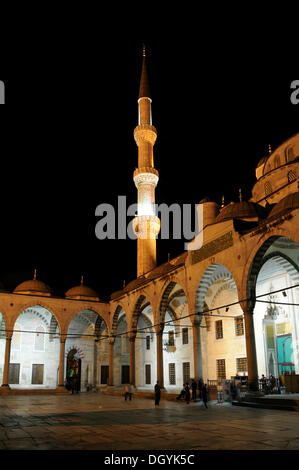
115 318
212 274
278 248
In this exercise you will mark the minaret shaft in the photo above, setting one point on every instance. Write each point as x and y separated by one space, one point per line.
146 225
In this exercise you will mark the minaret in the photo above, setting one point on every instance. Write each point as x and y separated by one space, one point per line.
146 225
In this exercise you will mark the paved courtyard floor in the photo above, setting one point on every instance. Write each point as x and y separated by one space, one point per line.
92 421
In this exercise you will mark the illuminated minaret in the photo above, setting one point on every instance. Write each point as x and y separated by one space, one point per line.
146 225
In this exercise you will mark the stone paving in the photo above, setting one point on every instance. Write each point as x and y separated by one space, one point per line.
92 421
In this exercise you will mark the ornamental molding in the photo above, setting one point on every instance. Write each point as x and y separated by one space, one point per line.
142 223
145 132
145 178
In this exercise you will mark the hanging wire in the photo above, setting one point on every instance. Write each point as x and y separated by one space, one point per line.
207 312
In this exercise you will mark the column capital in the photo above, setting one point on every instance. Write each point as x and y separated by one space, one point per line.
247 306
159 329
62 337
111 340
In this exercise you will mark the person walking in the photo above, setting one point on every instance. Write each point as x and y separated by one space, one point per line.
204 394
200 384
157 394
187 393
128 391
194 388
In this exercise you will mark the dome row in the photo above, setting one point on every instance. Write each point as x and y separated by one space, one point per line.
37 287
247 210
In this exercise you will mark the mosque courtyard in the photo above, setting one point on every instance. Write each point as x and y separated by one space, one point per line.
92 421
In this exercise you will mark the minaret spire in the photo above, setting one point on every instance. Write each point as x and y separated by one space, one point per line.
144 91
146 225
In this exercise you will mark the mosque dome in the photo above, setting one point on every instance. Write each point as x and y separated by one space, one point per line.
82 292
289 202
33 287
243 210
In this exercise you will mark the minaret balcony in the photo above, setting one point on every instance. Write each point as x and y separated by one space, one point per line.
146 175
146 226
145 132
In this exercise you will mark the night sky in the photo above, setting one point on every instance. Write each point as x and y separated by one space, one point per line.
67 143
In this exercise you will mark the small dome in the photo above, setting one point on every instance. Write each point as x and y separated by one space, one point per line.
289 202
33 287
82 293
241 210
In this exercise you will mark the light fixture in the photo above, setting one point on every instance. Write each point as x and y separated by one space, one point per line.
227 309
284 293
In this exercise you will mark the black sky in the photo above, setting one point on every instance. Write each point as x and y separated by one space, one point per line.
67 143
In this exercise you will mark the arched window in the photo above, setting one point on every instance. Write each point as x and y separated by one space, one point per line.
276 161
292 176
268 188
290 153
39 342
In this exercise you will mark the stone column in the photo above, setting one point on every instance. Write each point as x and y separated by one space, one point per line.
250 348
111 344
61 361
6 359
132 359
160 372
196 350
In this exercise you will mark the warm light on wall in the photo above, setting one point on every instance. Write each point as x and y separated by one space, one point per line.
146 208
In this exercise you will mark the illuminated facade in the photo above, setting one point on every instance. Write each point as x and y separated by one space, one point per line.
226 308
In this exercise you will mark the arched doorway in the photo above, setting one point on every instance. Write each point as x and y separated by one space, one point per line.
275 317
73 370
223 344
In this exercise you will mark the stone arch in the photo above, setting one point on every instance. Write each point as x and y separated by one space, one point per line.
273 247
148 323
137 311
77 348
213 273
30 306
115 318
91 319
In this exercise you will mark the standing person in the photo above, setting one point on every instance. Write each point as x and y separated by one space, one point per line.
157 394
200 384
187 393
272 381
204 394
194 388
128 391
263 383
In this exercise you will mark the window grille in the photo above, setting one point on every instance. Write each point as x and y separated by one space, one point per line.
239 326
171 338
292 176
268 188
185 336
221 373
219 329
147 374
171 373
186 372
242 364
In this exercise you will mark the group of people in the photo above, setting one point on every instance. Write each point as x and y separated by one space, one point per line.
186 395
268 385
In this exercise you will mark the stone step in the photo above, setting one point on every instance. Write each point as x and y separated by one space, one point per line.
273 401
269 405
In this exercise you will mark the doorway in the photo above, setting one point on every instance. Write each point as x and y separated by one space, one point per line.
125 374
73 370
